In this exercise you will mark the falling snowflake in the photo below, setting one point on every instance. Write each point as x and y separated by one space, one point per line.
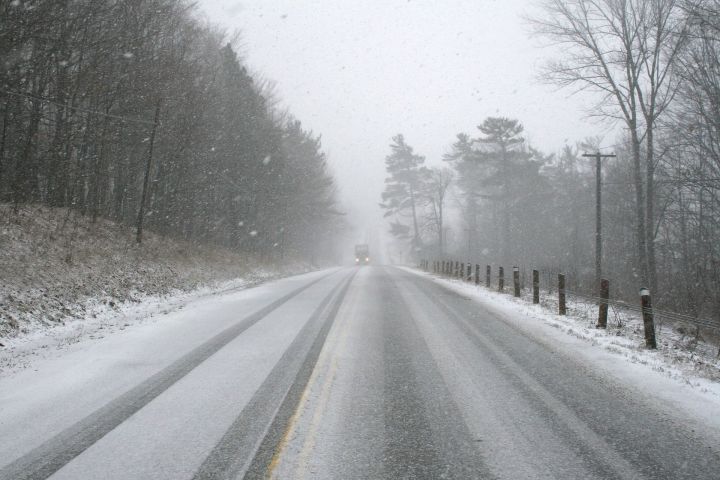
266 160
253 233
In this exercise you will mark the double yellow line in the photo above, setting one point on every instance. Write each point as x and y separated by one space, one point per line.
322 379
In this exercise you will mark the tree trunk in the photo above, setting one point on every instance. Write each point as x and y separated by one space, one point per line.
416 232
650 212
440 226
3 141
640 206
25 172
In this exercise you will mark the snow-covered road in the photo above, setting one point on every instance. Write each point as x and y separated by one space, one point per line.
370 372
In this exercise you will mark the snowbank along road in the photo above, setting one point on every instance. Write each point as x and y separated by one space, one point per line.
369 372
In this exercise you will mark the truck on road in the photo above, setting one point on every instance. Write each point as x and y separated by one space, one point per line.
362 254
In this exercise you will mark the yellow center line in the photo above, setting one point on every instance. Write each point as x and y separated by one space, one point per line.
321 406
325 365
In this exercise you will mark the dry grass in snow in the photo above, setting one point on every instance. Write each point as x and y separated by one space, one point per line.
58 267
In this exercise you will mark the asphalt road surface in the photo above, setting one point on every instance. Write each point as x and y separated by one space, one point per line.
369 372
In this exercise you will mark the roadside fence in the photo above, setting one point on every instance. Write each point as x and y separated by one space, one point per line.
552 288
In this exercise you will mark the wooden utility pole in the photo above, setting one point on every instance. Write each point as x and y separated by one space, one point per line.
146 180
598 212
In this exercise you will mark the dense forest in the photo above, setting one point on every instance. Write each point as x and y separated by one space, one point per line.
138 112
656 66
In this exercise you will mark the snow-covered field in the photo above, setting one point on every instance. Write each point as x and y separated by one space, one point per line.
688 376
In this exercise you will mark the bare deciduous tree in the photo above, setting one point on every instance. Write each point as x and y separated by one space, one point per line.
626 50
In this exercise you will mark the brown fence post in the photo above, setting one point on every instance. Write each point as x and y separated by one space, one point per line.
604 297
648 319
536 287
487 276
477 274
516 281
501 279
561 294
469 272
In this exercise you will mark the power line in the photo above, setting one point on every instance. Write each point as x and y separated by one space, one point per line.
611 147
79 109
680 181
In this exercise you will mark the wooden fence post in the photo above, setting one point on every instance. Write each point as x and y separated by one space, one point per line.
648 319
501 279
469 272
604 297
487 276
516 281
561 294
477 274
536 287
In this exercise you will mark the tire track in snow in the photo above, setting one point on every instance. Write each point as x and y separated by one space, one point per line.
43 461
617 434
249 444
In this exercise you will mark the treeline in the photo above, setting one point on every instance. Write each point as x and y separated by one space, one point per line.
104 103
657 65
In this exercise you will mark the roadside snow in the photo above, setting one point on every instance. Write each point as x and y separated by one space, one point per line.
102 320
671 374
65 277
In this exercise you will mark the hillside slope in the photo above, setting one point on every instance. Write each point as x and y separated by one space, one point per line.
57 265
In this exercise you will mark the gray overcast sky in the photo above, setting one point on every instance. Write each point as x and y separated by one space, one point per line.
358 72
